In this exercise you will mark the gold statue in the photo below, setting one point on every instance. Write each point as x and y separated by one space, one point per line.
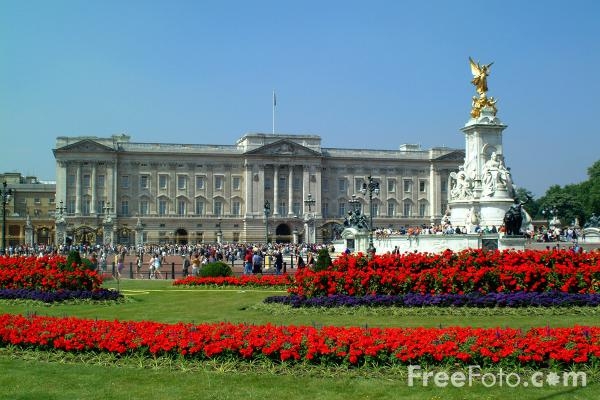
480 74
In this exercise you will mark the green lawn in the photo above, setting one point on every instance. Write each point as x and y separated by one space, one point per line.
26 376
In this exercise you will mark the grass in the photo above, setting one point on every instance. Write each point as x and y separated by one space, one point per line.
159 301
29 375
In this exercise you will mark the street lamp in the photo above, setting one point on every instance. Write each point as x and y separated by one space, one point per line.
60 209
372 187
549 212
267 210
6 194
354 203
309 202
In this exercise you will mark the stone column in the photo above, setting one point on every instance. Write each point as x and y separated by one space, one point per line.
93 189
78 190
291 190
249 195
260 191
275 207
61 182
433 202
305 186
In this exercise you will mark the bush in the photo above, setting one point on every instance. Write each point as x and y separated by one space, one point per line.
323 260
73 258
87 264
216 269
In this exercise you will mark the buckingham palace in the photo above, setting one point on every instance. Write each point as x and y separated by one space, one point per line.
274 187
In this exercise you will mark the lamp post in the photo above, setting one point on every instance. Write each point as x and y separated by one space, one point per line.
267 210
549 212
354 203
6 194
220 232
309 202
372 187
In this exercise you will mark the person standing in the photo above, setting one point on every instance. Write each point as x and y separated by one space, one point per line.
256 263
138 266
278 262
186 265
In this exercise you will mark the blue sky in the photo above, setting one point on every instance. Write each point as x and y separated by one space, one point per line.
373 74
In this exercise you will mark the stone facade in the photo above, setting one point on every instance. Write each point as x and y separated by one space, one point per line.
193 193
31 201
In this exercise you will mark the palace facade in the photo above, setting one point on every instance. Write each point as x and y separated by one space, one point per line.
29 211
284 187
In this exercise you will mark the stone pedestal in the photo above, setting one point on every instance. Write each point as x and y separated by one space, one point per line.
482 190
511 243
109 234
591 235
28 232
357 241
61 232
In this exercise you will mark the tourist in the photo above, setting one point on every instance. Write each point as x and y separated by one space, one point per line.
278 262
257 263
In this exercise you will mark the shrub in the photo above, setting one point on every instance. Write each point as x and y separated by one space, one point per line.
216 269
73 258
323 260
87 264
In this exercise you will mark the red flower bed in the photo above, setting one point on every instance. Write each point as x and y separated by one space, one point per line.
463 272
538 347
45 274
244 280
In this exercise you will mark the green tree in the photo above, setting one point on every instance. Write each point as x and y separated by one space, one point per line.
566 201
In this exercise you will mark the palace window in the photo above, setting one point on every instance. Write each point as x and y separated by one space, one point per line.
199 207
218 208
391 209
199 183
391 185
422 209
235 183
236 208
407 186
125 181
144 207
407 212
422 186
162 181
181 203
342 209
282 208
144 181
100 181
86 181
162 207
124 207
218 182
181 182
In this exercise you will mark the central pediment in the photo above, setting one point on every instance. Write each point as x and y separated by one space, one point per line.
86 146
284 147
457 155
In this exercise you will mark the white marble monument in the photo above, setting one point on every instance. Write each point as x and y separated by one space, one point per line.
481 190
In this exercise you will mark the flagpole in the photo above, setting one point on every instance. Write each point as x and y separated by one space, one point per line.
274 104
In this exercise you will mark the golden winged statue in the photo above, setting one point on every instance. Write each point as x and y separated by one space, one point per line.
480 74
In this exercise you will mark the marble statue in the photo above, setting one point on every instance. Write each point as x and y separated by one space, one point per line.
461 185
495 176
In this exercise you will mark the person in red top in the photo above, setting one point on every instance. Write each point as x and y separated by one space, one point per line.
248 262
